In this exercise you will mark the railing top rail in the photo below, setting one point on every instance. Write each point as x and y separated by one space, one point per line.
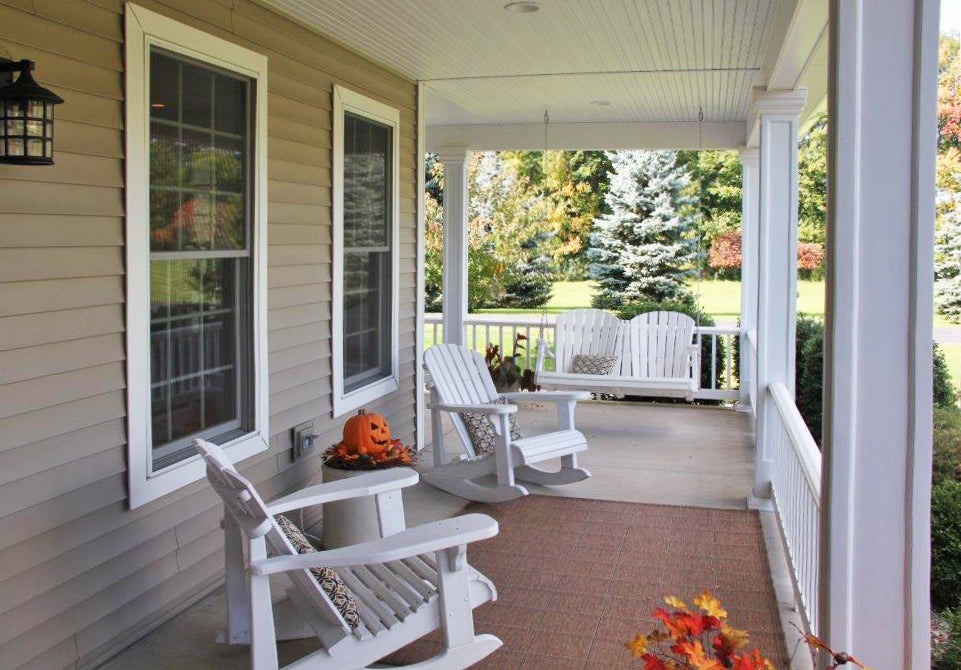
549 320
718 330
807 450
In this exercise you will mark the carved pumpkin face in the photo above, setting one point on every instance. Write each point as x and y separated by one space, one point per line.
367 433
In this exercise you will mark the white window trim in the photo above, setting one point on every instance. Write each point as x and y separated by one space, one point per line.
143 29
346 100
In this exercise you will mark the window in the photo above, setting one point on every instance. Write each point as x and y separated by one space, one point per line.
365 250
195 251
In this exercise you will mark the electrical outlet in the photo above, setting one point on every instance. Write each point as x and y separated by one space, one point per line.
303 438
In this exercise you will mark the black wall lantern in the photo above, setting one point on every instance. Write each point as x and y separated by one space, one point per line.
26 116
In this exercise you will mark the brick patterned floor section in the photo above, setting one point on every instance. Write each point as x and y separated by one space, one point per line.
577 578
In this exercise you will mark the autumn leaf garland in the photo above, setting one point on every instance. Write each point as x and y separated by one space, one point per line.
696 639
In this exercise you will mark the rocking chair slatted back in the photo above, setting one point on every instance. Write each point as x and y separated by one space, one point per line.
460 377
586 331
249 510
659 344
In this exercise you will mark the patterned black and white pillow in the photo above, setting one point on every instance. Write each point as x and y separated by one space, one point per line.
593 364
328 580
481 430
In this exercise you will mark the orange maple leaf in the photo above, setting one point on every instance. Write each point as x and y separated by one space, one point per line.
710 605
638 645
677 603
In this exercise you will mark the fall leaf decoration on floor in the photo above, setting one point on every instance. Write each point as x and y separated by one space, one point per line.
367 445
696 638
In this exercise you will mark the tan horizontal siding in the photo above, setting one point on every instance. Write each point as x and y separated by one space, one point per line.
81 575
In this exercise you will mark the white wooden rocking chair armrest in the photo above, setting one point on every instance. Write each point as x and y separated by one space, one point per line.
370 484
548 396
423 539
473 409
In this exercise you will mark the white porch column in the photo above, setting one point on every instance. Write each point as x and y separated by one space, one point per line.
455 243
750 161
777 263
875 512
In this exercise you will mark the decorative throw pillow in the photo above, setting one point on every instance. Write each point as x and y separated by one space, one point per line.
328 580
481 430
593 364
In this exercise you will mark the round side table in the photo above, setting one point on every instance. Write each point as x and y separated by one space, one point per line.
348 522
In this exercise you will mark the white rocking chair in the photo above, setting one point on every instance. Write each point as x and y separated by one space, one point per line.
405 585
462 384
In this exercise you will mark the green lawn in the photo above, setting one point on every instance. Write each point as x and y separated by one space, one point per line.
721 299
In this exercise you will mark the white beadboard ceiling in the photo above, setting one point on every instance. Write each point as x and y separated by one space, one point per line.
652 60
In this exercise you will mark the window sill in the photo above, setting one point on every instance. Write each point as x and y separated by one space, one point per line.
362 396
193 469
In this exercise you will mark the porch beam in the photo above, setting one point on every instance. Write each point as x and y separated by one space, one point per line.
455 242
584 136
804 33
750 162
875 512
777 266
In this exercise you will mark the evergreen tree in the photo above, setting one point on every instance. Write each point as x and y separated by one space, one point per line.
947 266
644 249
530 286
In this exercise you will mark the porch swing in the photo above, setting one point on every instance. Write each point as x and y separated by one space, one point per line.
654 354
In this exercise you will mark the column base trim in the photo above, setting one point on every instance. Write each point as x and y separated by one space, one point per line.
760 504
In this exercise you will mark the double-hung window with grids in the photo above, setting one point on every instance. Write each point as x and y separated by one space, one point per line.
195 245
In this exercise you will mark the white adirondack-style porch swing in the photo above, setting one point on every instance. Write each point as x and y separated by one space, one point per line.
655 354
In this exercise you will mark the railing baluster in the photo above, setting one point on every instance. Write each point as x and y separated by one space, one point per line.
713 361
729 356
527 347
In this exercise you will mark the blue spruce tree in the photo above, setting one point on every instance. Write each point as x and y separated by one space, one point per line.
645 249
947 266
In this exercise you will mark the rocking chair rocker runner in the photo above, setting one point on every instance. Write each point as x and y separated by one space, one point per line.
405 584
462 384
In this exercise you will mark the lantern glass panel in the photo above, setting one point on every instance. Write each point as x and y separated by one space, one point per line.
15 146
35 109
34 147
14 127
48 149
35 128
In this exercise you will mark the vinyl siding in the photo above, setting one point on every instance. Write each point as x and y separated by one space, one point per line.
81 575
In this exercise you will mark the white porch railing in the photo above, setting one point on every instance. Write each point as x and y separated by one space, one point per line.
483 330
796 492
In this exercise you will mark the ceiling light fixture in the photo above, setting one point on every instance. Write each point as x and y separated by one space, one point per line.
522 7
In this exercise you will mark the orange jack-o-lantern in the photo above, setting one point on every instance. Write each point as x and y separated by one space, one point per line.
367 433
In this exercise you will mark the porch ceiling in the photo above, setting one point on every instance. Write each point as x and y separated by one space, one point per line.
652 61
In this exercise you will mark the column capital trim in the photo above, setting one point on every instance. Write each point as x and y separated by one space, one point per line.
789 102
750 156
452 154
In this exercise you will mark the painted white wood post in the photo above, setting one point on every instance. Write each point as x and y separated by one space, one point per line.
750 161
455 243
777 265
875 512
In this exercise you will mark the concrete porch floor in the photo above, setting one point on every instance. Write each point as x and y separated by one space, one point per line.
644 453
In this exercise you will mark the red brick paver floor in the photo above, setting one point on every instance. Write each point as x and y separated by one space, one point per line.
578 578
